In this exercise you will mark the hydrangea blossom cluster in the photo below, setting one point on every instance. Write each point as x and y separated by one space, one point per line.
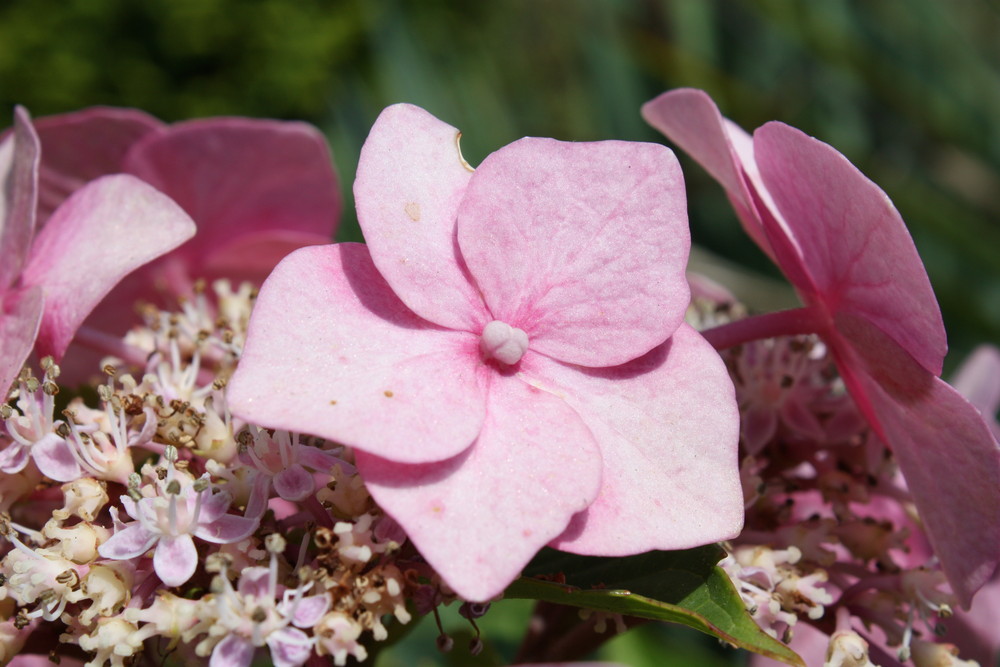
862 468
515 358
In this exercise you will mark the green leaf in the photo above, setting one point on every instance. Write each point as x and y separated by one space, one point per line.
685 587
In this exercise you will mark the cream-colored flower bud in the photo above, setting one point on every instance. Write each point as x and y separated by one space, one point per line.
109 585
83 498
78 543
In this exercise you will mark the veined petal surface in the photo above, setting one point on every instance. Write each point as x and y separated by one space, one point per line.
236 176
581 245
854 245
690 119
19 156
668 429
20 317
332 351
81 146
946 452
480 517
410 182
100 234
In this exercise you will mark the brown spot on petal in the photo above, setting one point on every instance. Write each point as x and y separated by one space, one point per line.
413 211
333 402
388 394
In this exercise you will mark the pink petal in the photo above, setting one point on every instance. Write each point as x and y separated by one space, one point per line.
130 542
294 483
214 505
14 458
581 245
255 581
227 529
54 458
290 647
690 119
98 236
310 610
238 176
251 257
333 352
19 154
668 429
978 379
175 559
81 146
411 177
949 458
479 517
853 242
20 317
233 651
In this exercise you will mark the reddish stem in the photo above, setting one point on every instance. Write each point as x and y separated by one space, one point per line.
792 322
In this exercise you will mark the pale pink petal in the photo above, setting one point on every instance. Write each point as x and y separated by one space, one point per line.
581 245
294 483
410 182
333 352
758 426
81 146
290 647
175 559
14 458
19 155
978 379
668 429
853 242
480 517
690 119
238 176
321 460
20 317
54 458
214 505
310 609
99 235
227 529
255 581
233 651
949 458
129 542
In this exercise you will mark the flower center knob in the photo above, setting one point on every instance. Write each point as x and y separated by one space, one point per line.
503 342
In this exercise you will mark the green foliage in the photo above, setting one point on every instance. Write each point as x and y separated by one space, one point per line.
684 587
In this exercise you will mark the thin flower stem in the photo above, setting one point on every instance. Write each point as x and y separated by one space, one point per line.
792 322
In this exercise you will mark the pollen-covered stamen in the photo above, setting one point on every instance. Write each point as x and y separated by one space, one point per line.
503 342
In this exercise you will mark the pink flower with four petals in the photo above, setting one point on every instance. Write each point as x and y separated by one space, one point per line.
507 354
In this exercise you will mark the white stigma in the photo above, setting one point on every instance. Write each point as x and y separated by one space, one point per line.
503 342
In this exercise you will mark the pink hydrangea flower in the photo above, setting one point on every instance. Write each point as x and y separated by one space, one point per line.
257 189
254 617
507 354
168 521
51 280
845 249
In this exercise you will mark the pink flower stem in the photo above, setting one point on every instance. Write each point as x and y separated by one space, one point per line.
102 342
781 323
320 513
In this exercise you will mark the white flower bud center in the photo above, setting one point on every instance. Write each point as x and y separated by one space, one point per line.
503 342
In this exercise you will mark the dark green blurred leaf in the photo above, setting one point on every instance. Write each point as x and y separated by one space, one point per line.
684 587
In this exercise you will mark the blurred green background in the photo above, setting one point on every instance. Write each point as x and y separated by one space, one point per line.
909 91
